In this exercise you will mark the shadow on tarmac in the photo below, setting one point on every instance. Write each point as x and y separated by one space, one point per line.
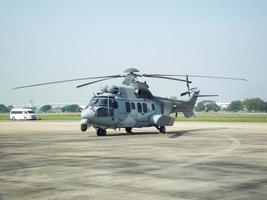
173 134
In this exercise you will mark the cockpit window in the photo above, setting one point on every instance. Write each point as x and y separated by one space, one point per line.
92 102
101 101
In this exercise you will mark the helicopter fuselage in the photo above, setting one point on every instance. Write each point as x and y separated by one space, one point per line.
109 111
122 107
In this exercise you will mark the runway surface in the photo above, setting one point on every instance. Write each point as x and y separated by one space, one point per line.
195 160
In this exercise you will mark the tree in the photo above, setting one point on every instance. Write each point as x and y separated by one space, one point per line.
3 109
34 108
71 108
10 107
265 106
45 108
254 105
201 106
212 107
235 106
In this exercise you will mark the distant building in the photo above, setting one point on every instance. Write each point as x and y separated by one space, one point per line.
223 104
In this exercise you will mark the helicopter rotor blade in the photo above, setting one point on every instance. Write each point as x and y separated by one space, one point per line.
187 83
184 93
198 76
163 77
208 95
218 77
69 80
188 86
96 81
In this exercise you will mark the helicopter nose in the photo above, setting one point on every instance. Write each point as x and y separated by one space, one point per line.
83 114
87 114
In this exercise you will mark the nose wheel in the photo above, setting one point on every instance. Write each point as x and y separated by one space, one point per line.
101 132
83 127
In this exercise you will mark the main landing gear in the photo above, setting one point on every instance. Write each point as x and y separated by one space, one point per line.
128 129
162 129
101 132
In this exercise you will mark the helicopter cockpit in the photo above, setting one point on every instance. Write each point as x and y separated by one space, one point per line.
103 105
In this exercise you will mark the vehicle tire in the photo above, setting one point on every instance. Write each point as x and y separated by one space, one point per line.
13 118
25 118
83 127
162 129
101 132
128 129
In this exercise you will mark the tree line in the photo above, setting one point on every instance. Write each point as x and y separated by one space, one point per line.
72 108
247 105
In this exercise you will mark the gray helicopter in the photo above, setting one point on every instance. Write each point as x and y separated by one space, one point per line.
132 105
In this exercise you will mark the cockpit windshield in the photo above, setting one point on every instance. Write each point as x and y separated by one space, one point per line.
92 101
101 101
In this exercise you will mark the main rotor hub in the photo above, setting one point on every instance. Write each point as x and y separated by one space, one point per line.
131 70
130 76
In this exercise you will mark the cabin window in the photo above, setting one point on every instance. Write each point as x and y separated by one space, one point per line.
139 107
153 106
144 107
133 105
128 107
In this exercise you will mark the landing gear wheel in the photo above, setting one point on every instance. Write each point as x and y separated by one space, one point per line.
83 127
101 132
162 129
128 129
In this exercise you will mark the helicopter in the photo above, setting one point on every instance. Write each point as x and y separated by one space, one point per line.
132 105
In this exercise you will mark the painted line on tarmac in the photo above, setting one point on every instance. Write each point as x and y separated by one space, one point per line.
235 143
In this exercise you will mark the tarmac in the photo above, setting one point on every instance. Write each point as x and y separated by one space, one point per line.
194 160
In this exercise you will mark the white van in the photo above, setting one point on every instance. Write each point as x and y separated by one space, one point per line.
22 113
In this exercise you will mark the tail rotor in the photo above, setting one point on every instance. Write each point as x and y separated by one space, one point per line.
189 90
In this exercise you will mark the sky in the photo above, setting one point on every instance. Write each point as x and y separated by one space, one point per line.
52 40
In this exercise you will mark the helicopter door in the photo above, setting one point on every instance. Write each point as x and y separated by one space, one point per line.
143 115
112 107
125 115
134 113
